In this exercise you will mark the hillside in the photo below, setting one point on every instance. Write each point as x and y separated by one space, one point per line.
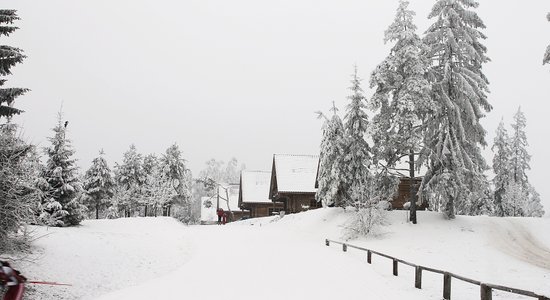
273 258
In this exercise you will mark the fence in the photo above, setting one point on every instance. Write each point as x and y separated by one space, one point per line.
486 289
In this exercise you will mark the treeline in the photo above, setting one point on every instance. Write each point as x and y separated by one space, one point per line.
430 94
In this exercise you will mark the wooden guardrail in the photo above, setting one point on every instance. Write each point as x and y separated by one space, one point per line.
486 289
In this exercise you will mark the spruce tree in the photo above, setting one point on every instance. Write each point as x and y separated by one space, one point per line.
401 101
9 57
519 157
129 177
501 167
174 169
18 166
59 182
529 204
459 90
546 58
98 185
330 191
357 159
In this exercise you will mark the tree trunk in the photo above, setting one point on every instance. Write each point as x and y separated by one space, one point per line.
146 210
412 189
97 211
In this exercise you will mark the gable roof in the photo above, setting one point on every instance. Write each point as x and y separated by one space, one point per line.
294 173
254 187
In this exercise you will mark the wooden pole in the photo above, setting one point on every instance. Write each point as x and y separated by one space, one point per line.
486 292
369 256
418 277
412 190
395 273
344 247
447 286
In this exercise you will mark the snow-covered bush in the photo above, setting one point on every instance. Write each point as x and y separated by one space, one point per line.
366 221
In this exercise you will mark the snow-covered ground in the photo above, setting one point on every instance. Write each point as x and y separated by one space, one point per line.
285 258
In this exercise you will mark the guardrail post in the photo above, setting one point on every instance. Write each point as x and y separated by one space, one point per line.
369 256
327 242
486 292
344 247
418 277
395 267
447 286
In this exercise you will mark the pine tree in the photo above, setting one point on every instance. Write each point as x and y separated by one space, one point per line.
330 190
60 182
454 132
9 57
129 177
357 159
533 207
17 191
98 185
401 101
519 158
179 177
546 58
529 204
501 167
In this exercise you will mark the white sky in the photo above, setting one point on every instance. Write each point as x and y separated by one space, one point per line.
241 78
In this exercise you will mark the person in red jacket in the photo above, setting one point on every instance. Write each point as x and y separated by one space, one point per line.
12 279
220 213
224 218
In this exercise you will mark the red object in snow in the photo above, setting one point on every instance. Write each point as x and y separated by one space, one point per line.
13 280
224 218
219 212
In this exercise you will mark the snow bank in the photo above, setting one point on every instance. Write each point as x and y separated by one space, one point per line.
104 255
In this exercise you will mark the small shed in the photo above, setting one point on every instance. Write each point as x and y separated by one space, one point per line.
293 181
254 194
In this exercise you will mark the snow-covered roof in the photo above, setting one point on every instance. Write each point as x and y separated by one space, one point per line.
295 173
209 213
255 186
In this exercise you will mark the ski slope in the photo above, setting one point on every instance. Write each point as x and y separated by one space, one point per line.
285 258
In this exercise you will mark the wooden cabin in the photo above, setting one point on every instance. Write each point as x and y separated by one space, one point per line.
403 193
293 182
254 194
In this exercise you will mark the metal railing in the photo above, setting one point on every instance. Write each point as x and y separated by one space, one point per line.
486 289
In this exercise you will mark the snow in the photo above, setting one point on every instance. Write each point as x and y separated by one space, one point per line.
255 186
285 258
296 173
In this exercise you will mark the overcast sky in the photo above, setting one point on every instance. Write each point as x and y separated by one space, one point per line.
242 78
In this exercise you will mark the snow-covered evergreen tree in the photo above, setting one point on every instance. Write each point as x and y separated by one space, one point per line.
401 101
519 157
59 182
331 191
501 166
18 165
459 90
130 177
533 207
179 177
356 174
9 57
546 58
519 164
98 185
